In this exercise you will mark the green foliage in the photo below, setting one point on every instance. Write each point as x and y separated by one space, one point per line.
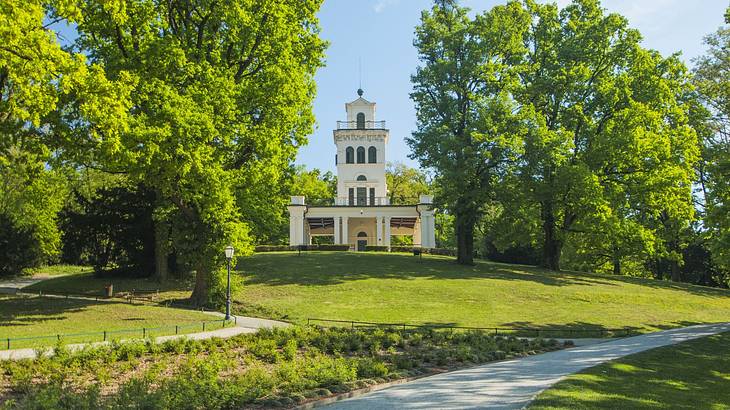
405 184
111 230
468 124
315 186
31 196
271 368
712 80
19 247
222 100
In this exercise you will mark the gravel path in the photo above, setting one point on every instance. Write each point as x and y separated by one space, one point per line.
512 384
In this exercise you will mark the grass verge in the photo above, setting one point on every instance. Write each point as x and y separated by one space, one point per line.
30 317
689 375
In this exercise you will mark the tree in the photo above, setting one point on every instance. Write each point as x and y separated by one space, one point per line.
222 101
315 186
36 77
468 126
611 145
712 79
405 184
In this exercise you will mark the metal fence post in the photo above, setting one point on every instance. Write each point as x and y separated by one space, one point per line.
144 332
176 329
8 343
203 326
105 335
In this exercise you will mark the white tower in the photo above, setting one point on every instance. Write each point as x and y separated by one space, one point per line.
361 142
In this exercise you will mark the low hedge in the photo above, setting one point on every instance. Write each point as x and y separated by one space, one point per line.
281 248
277 368
368 248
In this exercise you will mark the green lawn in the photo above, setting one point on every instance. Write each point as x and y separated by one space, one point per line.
404 288
31 317
690 375
59 270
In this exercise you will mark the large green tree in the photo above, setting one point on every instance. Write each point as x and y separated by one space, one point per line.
222 101
611 146
712 78
468 125
37 77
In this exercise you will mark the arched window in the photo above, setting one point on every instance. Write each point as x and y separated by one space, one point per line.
362 178
360 155
372 155
362 235
360 121
349 155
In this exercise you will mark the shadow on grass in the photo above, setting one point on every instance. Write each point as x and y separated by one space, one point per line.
689 375
91 285
571 330
21 311
330 268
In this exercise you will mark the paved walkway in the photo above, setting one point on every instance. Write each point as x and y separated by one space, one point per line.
244 325
512 384
13 285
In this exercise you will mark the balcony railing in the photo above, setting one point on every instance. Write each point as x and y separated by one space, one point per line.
370 201
360 125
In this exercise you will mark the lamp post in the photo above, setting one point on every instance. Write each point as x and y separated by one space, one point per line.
229 256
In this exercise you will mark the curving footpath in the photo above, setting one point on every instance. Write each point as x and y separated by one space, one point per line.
243 325
513 384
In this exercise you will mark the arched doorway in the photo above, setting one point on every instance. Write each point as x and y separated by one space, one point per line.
362 241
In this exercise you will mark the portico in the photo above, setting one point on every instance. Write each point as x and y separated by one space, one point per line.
361 214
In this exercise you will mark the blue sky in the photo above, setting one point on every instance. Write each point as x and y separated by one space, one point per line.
380 34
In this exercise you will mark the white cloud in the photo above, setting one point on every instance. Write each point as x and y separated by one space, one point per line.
381 5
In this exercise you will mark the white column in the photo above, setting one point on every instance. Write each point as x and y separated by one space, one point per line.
345 231
387 232
297 233
338 239
379 229
428 230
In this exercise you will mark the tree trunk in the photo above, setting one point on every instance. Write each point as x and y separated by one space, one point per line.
676 271
616 265
552 246
162 250
465 238
199 297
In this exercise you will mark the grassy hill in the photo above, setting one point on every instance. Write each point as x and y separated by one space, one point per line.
404 288
383 287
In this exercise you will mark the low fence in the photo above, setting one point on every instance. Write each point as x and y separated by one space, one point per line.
523 331
106 335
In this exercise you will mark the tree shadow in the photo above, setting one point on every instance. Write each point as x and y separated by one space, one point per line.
689 375
572 330
339 267
24 311
331 268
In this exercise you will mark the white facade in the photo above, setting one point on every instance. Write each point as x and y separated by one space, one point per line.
361 214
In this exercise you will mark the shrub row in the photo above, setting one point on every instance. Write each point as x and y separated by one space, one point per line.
276 368
368 248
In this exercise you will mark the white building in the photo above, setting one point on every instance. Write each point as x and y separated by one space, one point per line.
361 213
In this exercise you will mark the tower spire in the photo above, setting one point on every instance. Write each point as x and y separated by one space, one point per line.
359 72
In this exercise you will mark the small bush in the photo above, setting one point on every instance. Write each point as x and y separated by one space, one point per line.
376 248
368 368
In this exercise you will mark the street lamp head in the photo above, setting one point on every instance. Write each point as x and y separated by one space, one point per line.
229 252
